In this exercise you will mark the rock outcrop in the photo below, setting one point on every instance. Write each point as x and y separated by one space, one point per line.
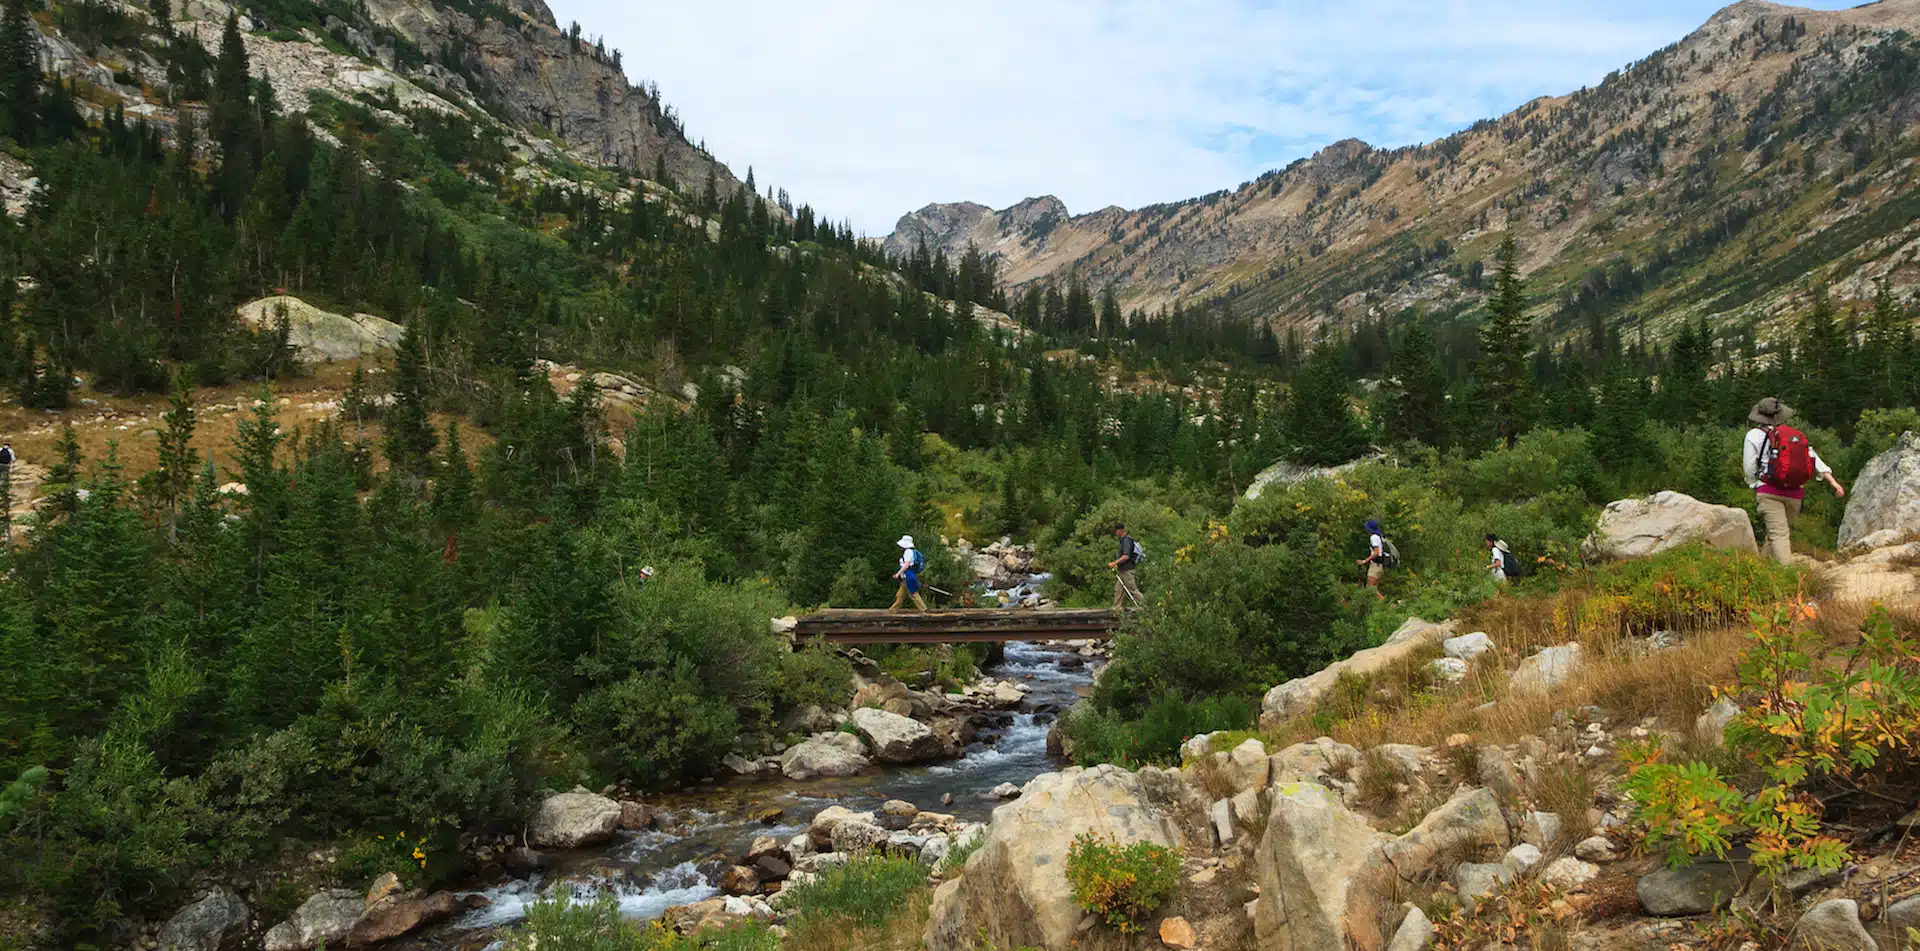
1640 528
1299 695
319 336
1312 851
214 923
1014 891
574 819
1883 508
326 918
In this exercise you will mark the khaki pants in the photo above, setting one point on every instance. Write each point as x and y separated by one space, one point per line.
1123 586
1778 512
901 598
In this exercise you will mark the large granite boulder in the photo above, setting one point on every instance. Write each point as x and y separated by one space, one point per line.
1312 850
574 819
319 336
1884 506
1547 670
1014 891
394 917
1301 694
214 923
897 739
825 755
1640 528
326 918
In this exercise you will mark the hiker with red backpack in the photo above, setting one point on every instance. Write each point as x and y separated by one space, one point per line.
1779 461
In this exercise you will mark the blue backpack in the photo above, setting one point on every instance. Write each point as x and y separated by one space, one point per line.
919 562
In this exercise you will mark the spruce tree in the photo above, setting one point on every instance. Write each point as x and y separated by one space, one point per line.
19 71
233 120
409 436
1505 339
171 481
1417 404
1320 425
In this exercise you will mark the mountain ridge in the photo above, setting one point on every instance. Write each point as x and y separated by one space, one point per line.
1587 178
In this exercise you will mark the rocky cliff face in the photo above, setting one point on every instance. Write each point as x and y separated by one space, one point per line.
554 95
1762 154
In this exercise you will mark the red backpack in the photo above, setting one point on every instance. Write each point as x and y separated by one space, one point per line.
1787 462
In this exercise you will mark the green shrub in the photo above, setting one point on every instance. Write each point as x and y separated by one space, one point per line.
1687 588
1124 885
559 923
1106 736
956 858
814 675
866 891
654 726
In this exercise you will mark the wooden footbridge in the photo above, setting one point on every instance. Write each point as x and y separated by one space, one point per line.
968 626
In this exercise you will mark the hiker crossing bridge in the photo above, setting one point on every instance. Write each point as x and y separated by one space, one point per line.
965 626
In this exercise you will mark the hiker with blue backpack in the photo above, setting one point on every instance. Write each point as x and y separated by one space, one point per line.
912 562
1778 461
1129 558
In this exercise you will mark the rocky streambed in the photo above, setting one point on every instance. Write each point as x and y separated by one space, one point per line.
726 849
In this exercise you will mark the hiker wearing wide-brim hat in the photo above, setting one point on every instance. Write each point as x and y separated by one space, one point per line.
1778 461
911 561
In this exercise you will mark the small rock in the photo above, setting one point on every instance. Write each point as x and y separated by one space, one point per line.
1204 877
1448 669
1831 926
213 923
1476 880
1568 873
1710 728
635 817
1005 791
1890 929
1458 740
899 808
1540 828
772 868
1177 934
1547 670
740 880
1221 815
1415 932
1596 848
1467 646
1522 857
383 888
740 765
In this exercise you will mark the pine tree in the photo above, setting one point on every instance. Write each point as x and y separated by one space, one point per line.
1320 424
409 437
453 486
19 71
233 120
1417 404
1883 358
1505 339
171 481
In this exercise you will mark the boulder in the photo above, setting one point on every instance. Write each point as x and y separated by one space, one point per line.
383 888
740 765
824 755
1568 874
1540 828
634 816
1641 528
393 918
1596 848
1450 670
1322 760
1546 670
1890 929
1710 728
1468 825
1477 880
1522 857
1415 932
1302 694
820 829
214 923
895 738
326 918
809 719
1014 891
1467 646
740 880
1884 506
1245 766
1305 862
1697 889
319 336
1863 582
1177 934
574 819
858 836
1832 925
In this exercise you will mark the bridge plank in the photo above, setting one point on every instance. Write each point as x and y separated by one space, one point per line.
956 626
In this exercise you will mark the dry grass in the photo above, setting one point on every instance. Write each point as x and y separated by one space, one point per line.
1564 788
1211 778
904 931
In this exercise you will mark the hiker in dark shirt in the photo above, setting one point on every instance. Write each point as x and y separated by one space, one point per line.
1129 558
6 455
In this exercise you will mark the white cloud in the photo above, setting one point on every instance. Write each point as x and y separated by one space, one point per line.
869 109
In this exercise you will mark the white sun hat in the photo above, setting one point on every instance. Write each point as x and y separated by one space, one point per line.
906 541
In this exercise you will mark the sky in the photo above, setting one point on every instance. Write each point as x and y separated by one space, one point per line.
869 109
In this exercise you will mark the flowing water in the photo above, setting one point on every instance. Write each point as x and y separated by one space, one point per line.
648 872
